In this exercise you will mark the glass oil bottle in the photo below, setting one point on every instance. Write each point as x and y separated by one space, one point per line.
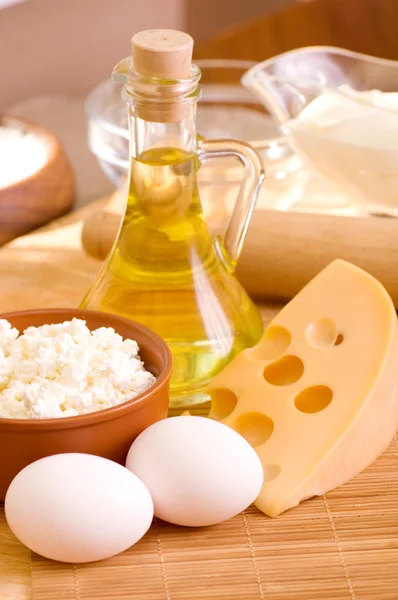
165 270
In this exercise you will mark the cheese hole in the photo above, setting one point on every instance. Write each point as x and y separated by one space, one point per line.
274 343
255 427
313 399
322 333
285 371
339 339
271 472
223 402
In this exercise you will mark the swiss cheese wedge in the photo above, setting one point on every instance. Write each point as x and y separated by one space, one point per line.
317 397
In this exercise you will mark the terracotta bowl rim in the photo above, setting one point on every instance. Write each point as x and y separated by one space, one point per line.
52 142
106 414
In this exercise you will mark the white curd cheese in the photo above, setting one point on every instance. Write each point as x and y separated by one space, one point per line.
65 370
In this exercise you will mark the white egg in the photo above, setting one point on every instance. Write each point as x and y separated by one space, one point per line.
77 507
199 472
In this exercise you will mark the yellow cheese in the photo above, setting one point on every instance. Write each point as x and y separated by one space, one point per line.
317 396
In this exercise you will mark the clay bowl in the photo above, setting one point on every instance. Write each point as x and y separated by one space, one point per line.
41 197
107 433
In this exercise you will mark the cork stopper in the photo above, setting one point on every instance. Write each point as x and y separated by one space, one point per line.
162 53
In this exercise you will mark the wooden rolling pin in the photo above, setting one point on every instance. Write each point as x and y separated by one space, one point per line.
284 250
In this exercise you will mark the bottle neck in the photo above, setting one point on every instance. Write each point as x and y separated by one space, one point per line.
145 134
162 113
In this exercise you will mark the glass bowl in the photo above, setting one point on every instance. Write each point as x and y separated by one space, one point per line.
226 110
356 146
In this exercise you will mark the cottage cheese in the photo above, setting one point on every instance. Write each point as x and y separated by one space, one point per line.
66 370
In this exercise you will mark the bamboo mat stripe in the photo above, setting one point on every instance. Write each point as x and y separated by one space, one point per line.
342 546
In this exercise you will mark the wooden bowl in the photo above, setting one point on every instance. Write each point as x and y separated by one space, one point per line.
35 200
109 432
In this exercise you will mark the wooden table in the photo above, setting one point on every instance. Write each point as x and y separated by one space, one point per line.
343 545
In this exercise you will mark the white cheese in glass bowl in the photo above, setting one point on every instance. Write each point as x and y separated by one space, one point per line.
351 137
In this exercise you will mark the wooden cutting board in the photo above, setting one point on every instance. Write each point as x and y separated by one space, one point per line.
343 545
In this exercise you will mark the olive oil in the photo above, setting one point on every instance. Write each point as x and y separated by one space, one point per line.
166 272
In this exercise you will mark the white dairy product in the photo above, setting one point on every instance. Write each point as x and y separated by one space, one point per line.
21 154
351 136
65 370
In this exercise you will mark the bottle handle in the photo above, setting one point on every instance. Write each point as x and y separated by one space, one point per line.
248 191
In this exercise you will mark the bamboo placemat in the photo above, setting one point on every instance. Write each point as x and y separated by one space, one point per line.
343 545
340 546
